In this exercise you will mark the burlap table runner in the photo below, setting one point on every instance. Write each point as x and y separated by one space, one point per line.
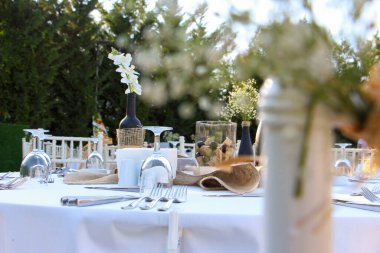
236 177
240 178
90 178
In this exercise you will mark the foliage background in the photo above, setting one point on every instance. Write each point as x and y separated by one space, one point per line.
54 71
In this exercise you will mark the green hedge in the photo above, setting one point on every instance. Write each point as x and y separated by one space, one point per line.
11 146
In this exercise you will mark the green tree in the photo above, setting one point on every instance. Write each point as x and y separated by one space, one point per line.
28 63
74 91
47 64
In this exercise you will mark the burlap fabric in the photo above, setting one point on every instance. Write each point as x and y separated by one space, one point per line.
130 137
241 178
90 178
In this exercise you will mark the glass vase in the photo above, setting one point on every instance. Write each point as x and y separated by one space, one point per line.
215 142
245 147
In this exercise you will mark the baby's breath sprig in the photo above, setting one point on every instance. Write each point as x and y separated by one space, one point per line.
241 101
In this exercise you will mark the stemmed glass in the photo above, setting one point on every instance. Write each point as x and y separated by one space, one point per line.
156 168
41 136
36 164
343 166
185 162
174 144
95 159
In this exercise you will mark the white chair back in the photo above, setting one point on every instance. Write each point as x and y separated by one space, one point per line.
73 151
357 156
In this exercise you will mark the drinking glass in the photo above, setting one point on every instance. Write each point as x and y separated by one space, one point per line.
35 165
343 166
42 135
185 162
173 144
367 164
95 160
156 168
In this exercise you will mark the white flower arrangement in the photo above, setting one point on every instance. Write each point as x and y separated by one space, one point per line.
128 74
242 101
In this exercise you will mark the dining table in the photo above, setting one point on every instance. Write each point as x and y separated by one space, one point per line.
33 220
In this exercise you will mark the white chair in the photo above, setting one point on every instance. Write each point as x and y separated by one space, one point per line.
73 151
109 155
356 156
186 149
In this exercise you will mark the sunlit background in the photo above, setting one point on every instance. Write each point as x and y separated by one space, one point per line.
335 15
190 58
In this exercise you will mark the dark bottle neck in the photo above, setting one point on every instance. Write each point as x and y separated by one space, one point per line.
131 104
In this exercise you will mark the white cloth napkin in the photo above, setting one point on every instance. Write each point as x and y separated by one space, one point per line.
355 202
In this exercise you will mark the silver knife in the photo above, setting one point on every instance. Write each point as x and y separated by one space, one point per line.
235 195
358 206
82 201
367 181
124 189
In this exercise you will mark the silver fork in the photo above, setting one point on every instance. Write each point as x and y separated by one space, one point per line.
180 195
15 182
370 195
153 192
158 197
7 184
375 189
5 175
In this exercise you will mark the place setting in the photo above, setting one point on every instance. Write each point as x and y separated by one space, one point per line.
358 177
365 199
156 180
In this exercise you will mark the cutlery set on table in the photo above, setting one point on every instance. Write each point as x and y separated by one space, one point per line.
366 199
163 198
158 194
10 182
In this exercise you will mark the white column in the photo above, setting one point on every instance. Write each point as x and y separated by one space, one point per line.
295 224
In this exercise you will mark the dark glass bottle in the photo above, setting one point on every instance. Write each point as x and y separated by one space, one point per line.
245 147
130 120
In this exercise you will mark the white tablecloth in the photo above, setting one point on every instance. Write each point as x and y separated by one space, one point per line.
33 220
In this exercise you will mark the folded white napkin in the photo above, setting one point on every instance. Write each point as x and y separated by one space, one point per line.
355 202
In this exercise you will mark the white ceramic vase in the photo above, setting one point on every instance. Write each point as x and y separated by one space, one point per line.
295 224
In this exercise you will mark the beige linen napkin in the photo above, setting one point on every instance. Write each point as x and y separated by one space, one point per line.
240 178
90 178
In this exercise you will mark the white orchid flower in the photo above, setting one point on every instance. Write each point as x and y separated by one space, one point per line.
134 88
127 71
121 69
121 59
125 80
138 89
111 56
